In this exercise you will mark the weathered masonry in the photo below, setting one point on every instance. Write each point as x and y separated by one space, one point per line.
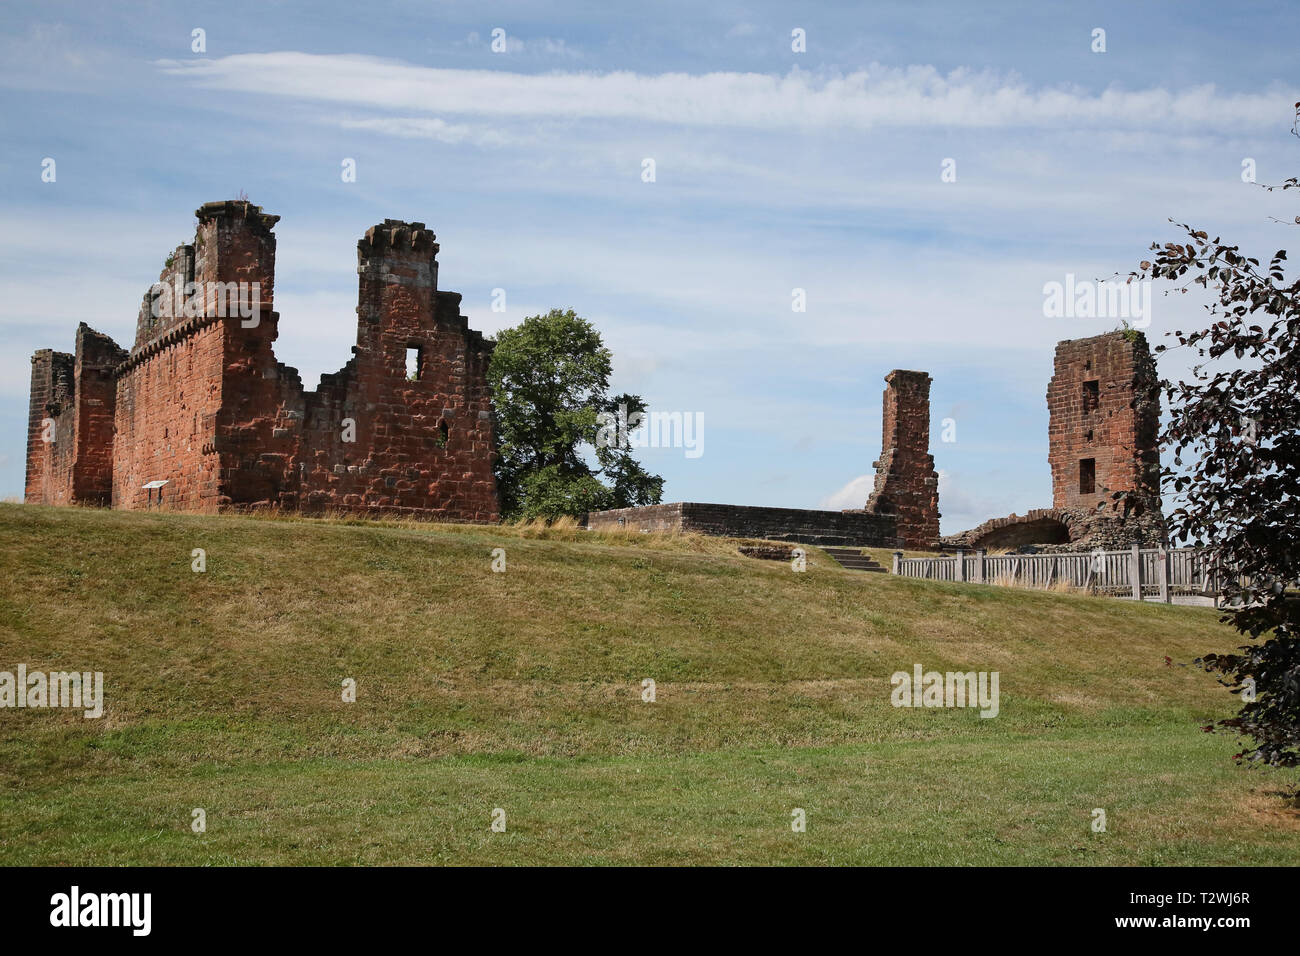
1103 406
850 528
907 486
70 422
200 404
902 511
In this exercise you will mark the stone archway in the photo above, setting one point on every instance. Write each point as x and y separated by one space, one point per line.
1040 526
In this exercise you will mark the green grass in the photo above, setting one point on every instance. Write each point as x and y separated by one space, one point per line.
522 691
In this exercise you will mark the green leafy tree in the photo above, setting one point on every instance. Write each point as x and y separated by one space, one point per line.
1234 430
550 381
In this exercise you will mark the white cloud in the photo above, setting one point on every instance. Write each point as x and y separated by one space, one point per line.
913 96
556 47
852 495
409 127
961 510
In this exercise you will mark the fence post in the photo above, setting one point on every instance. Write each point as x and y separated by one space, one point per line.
1163 562
983 554
898 557
1137 572
961 565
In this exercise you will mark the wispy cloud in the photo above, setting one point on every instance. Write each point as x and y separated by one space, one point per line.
913 96
409 127
852 495
961 509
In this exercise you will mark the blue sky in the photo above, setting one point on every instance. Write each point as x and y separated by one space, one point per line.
774 170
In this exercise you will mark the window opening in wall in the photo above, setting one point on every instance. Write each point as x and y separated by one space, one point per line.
1087 476
442 434
1091 395
413 363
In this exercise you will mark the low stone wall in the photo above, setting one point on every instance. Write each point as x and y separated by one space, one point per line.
847 529
1062 530
767 552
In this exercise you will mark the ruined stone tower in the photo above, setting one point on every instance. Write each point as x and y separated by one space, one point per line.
1103 407
184 392
201 404
906 483
70 422
416 389
1104 414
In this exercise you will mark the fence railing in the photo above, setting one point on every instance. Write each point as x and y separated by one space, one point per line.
1139 574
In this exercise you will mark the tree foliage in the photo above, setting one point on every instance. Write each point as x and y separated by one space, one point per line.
550 381
1234 430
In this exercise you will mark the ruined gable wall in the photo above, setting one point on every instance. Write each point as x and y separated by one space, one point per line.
422 445
49 463
201 402
95 401
906 483
170 391
1116 429
256 434
76 391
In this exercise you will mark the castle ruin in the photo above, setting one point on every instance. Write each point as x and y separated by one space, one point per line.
907 486
1103 406
199 416
902 510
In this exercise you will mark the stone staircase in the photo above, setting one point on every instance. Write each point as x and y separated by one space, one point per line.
854 559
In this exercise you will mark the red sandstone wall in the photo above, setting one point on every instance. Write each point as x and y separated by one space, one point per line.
49 464
76 391
906 483
257 433
401 460
177 421
1119 434
168 395
256 436
96 399
202 403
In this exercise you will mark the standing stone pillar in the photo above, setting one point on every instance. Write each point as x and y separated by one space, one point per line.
907 485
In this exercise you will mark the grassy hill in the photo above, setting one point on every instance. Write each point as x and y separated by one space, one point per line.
522 690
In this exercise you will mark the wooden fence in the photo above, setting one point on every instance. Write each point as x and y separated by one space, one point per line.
1177 575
